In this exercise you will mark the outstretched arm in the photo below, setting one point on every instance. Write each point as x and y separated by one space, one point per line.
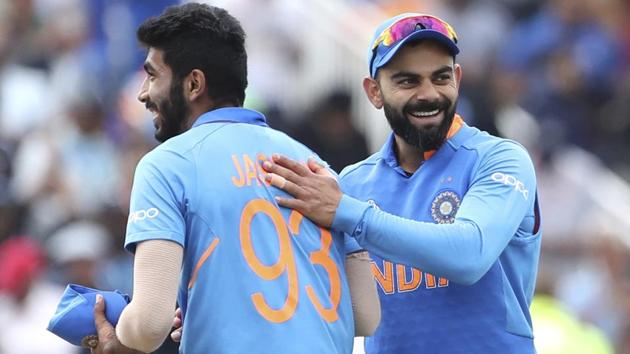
491 212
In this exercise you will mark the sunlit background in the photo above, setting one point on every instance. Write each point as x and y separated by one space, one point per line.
553 75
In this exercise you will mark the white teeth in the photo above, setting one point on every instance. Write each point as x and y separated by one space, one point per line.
425 114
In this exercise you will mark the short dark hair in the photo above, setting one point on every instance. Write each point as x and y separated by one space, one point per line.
199 36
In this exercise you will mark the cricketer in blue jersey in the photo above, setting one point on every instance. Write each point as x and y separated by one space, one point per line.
447 212
249 276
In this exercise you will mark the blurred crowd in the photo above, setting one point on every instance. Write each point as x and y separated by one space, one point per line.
551 74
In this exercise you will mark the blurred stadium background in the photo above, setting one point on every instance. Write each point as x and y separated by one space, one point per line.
551 74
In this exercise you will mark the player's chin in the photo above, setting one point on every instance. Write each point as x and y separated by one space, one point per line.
160 133
165 132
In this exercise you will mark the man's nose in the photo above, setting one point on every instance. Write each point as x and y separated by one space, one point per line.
426 91
143 94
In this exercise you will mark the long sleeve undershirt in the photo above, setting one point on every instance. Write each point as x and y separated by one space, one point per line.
146 321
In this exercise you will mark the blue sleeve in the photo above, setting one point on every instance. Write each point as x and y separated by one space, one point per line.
350 244
157 206
501 193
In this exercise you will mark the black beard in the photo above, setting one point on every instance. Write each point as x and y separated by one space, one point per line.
427 139
174 113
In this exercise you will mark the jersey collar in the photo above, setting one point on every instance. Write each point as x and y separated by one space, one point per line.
232 115
388 152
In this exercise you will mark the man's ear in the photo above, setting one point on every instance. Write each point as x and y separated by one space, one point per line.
373 92
195 84
458 74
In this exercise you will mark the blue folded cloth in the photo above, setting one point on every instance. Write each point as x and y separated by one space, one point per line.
74 318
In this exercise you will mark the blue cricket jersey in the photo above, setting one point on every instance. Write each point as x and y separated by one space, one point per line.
256 277
455 246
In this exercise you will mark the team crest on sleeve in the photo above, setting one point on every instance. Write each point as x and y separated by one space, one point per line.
444 207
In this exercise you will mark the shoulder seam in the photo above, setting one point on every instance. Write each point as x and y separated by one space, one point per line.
354 167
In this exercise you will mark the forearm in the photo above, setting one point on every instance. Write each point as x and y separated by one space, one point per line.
457 251
366 307
146 321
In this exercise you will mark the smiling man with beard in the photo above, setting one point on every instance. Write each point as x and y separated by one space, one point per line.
448 213
418 93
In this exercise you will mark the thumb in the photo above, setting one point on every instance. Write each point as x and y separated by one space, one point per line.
104 329
318 168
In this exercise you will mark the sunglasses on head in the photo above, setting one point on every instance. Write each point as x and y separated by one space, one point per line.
408 25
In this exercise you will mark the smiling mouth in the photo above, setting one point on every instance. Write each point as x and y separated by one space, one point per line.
425 114
155 117
154 113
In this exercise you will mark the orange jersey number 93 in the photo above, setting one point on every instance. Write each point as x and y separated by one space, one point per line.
286 263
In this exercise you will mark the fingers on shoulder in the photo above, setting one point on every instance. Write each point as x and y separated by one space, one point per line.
293 165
